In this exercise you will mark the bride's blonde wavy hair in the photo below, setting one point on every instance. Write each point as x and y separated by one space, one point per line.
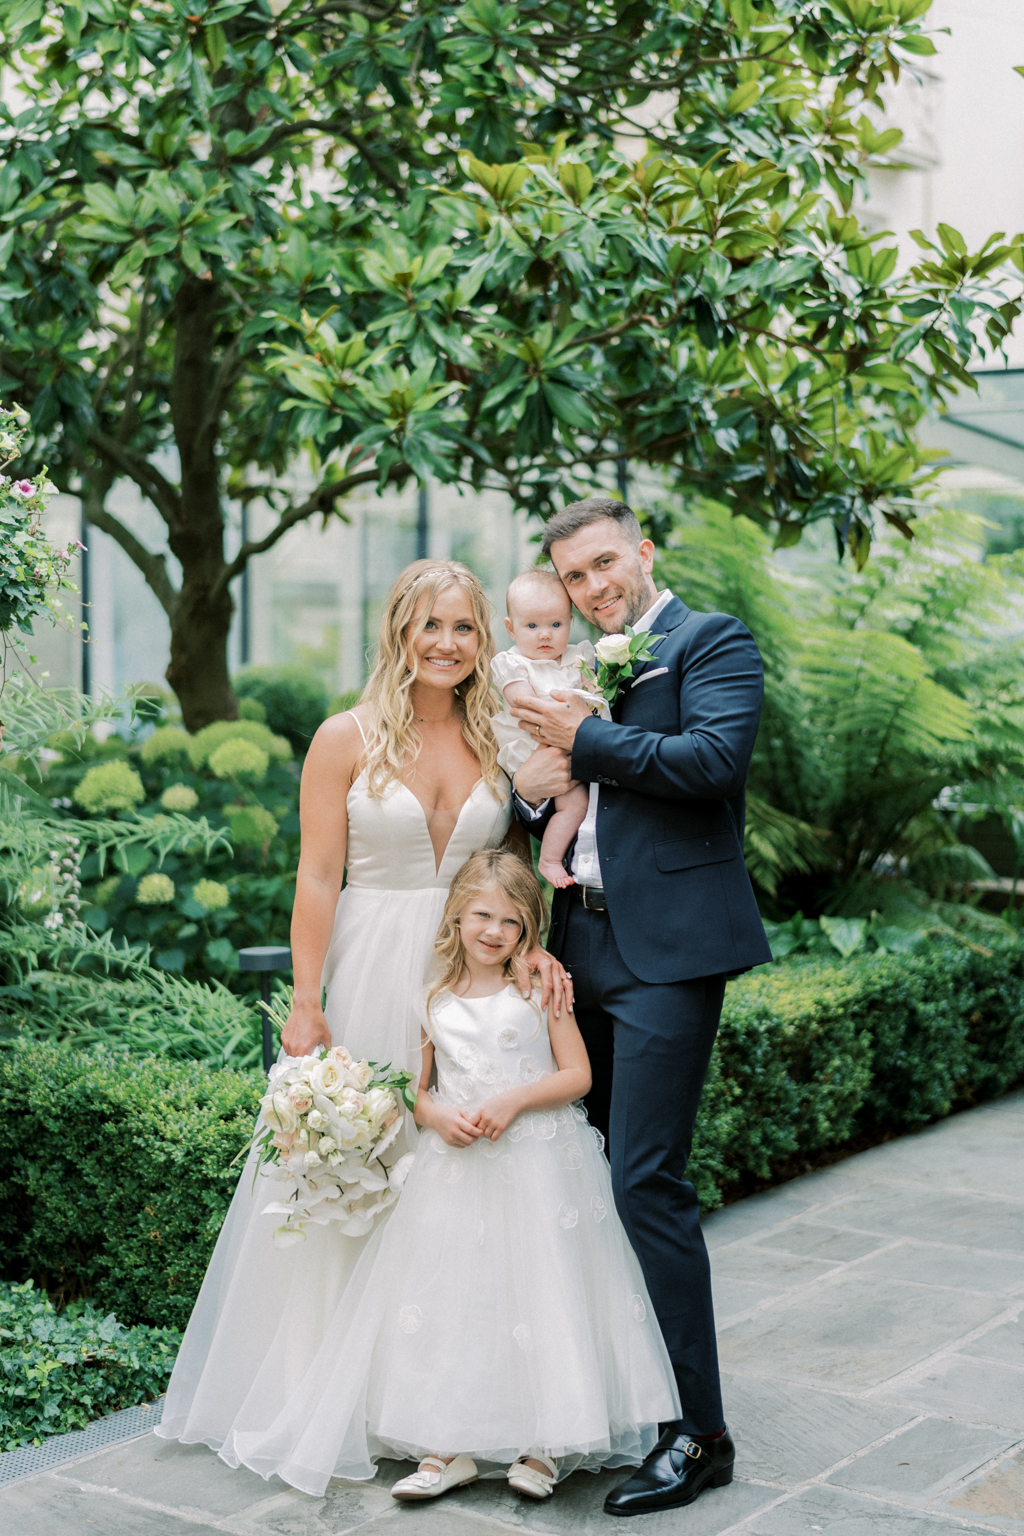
517 883
393 741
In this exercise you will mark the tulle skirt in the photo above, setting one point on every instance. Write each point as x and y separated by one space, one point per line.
499 1309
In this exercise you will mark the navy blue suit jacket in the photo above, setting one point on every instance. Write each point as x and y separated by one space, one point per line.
672 766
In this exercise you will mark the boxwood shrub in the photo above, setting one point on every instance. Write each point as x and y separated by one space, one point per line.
814 1052
115 1173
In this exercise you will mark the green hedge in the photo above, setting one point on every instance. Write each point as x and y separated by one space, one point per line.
813 1053
115 1172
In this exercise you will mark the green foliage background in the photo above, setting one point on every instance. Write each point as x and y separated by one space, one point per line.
399 240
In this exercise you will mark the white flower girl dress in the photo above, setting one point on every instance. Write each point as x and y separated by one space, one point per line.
498 1308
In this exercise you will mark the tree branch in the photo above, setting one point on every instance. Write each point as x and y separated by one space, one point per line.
322 500
149 480
335 126
152 566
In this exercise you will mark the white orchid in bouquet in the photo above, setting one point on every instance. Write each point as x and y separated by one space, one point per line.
325 1123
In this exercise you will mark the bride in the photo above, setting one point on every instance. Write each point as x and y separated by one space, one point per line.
396 794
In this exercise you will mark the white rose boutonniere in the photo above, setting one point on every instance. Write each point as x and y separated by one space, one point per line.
616 657
613 650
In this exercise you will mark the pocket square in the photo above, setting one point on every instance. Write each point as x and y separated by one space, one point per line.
645 677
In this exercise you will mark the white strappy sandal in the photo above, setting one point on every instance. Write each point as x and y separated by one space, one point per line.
527 1480
434 1477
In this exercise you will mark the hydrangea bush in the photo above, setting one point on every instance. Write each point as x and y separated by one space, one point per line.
195 909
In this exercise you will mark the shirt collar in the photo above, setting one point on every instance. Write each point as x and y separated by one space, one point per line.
643 624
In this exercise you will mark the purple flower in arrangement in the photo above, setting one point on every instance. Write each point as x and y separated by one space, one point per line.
23 488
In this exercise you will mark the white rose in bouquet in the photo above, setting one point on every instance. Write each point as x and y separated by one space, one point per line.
327 1077
381 1108
280 1114
613 650
360 1073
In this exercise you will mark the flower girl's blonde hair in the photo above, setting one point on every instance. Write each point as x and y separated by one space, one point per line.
517 883
394 741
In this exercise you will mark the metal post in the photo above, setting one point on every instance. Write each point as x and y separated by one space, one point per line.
265 958
268 1036
84 535
422 524
243 616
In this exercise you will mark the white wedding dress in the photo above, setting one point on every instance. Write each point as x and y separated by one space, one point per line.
262 1316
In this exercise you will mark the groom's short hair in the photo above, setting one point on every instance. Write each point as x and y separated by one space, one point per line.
580 514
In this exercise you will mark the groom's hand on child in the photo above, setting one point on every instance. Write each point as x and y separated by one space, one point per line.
544 775
553 721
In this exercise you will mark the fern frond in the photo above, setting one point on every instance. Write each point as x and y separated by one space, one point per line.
776 844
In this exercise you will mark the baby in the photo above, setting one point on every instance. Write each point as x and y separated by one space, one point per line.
542 662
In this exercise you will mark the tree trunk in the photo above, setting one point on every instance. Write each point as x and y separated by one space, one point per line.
198 670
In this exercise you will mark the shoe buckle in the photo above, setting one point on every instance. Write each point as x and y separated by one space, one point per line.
692 1449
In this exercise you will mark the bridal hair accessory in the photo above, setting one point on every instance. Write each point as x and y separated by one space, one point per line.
616 657
325 1123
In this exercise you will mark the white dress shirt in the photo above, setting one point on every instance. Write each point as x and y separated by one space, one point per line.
586 865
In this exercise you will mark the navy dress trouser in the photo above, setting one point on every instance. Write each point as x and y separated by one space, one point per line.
650 1045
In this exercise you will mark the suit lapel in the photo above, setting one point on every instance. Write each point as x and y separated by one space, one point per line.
670 618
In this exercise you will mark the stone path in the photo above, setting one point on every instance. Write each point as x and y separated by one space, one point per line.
872 1342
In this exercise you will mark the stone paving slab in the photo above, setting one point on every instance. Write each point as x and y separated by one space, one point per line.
871 1327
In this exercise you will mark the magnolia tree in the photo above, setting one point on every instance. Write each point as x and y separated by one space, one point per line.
398 237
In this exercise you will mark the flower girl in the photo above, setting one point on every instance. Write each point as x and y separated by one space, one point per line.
498 1315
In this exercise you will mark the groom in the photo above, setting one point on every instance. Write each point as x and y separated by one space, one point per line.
661 912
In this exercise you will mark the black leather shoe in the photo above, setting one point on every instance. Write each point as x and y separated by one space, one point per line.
675 1472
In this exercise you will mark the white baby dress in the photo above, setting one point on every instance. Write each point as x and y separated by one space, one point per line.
544 677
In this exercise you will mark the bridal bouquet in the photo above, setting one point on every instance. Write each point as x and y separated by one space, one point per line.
325 1122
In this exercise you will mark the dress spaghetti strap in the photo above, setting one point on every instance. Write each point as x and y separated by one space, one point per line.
355 717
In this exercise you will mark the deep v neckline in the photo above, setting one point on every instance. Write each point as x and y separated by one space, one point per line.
426 822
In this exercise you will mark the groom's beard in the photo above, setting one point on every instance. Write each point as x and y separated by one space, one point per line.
638 600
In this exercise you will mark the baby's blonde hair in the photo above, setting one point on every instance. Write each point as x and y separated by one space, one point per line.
516 882
537 577
394 741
